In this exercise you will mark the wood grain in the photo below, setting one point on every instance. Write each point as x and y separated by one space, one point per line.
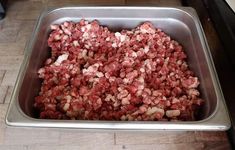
25 32
3 91
217 146
3 110
11 49
182 146
9 78
29 136
9 31
2 73
10 62
57 3
169 146
211 136
30 11
58 137
25 5
69 137
90 146
14 147
28 15
154 2
8 94
130 138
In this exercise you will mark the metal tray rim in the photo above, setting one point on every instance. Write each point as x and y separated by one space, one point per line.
190 12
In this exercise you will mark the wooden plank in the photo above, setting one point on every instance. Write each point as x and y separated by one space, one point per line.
10 78
218 146
170 3
10 62
169 146
17 10
8 94
1 135
25 31
154 2
154 137
12 49
14 147
89 146
25 5
9 31
3 110
211 136
3 92
28 15
182 146
141 2
2 73
29 136
84 2
45 136
25 10
73 137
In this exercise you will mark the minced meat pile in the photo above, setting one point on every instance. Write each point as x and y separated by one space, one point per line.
97 74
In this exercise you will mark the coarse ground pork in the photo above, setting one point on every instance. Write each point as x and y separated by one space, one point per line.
96 74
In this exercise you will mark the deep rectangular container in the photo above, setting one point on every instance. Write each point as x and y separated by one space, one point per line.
182 24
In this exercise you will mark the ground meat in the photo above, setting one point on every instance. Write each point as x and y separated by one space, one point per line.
96 74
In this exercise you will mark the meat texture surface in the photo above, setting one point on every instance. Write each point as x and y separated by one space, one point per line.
96 74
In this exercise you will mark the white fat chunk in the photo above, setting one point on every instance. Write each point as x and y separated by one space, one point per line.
61 58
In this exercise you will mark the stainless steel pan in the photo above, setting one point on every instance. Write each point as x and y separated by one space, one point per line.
182 24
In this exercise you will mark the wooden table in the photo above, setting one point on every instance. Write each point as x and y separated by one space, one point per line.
15 30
